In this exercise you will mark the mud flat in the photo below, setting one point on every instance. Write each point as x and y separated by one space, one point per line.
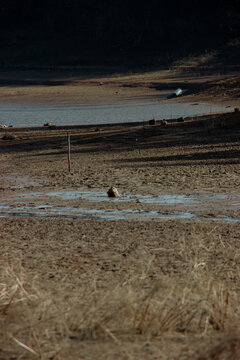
129 278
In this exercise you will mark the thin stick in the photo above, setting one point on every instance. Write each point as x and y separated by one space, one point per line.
24 346
69 152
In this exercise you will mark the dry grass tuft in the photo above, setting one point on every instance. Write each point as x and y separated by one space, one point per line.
42 324
223 307
26 313
12 288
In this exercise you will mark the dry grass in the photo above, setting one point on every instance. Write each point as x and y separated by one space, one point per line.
195 304
40 325
23 313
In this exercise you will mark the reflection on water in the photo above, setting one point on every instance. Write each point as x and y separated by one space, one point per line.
37 115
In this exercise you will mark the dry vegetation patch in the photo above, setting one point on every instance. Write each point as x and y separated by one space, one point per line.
173 291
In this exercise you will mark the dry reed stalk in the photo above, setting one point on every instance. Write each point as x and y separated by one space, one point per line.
24 346
12 290
223 307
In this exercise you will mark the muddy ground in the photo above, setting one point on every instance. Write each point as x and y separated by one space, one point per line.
143 287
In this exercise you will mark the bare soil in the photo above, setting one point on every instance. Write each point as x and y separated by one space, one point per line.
78 87
120 289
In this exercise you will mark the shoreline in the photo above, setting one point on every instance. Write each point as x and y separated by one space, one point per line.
127 124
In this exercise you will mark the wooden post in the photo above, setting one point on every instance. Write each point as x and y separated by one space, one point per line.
69 152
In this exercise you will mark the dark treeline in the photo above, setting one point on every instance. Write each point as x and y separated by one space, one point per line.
115 26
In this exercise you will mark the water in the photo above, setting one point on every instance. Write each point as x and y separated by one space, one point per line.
179 202
100 196
46 211
36 115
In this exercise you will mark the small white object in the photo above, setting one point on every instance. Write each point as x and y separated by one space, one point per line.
178 92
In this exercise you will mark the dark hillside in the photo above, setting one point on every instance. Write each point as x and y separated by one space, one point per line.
76 32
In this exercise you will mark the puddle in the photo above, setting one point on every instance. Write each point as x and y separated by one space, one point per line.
183 205
106 214
204 199
46 211
99 196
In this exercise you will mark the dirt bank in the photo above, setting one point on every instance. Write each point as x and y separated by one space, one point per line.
68 87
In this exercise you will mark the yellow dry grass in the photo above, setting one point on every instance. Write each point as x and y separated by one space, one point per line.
40 324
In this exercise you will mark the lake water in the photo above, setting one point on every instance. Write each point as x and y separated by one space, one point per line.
37 115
